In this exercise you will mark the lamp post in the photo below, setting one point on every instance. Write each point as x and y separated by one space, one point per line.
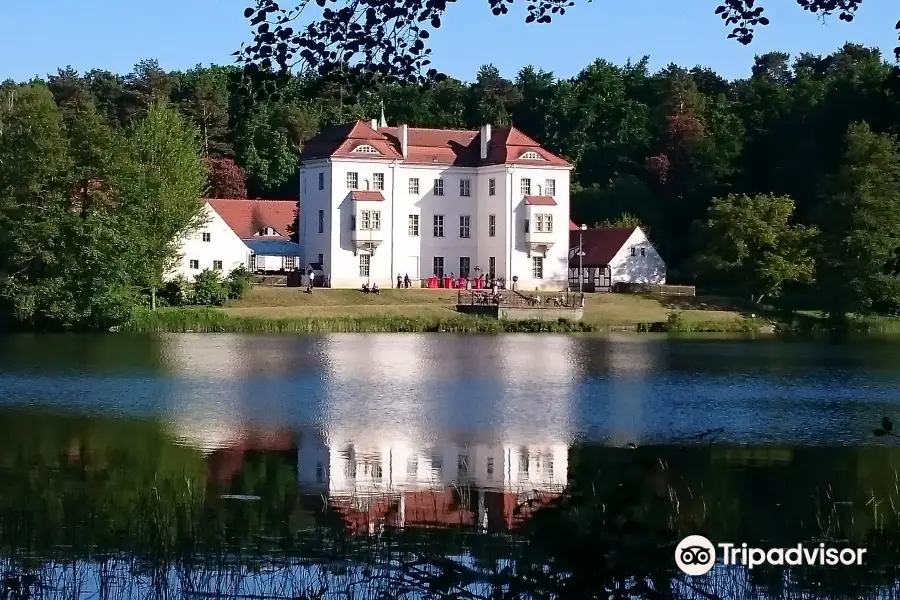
581 231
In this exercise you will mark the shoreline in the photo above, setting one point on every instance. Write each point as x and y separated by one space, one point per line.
209 320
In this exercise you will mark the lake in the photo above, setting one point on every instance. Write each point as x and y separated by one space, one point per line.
297 466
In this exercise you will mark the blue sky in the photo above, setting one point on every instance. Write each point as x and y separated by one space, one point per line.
115 34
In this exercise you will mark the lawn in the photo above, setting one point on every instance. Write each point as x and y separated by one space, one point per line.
601 309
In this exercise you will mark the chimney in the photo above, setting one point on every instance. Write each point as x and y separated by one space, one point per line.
403 134
374 124
485 140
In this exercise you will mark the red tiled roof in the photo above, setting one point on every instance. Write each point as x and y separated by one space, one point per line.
456 147
247 217
540 200
367 195
600 244
573 226
341 140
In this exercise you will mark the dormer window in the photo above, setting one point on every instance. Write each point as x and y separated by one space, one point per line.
366 149
531 156
267 231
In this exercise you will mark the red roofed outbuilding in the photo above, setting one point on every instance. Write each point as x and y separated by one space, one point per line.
613 255
253 234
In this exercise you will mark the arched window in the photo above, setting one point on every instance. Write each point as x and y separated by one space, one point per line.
366 149
531 156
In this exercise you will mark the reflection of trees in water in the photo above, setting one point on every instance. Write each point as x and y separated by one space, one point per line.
109 509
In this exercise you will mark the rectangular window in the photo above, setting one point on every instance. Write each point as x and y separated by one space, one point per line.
526 225
643 252
352 181
413 185
633 251
370 220
290 262
195 264
525 186
321 181
465 266
550 187
464 221
465 187
490 467
492 225
438 266
413 225
438 225
492 267
543 223
207 237
438 187
537 267
364 261
321 221
352 222
252 263
321 261
378 181
217 265
492 187
412 466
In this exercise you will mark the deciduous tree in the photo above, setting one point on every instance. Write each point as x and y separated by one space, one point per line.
168 183
750 242
225 178
859 265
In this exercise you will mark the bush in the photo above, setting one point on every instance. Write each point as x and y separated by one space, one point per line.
238 283
177 292
209 289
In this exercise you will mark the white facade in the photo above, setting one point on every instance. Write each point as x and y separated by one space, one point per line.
213 245
637 261
421 230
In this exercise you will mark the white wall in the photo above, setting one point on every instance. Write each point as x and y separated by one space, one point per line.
400 253
649 268
224 245
557 258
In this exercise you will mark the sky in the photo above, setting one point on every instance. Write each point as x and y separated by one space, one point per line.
116 34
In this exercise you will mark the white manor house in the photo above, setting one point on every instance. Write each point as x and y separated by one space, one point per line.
380 201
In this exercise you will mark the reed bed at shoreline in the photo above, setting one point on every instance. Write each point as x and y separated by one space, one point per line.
200 320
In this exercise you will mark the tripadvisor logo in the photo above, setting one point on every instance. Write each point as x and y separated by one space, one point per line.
696 555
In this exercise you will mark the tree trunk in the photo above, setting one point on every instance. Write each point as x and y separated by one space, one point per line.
153 297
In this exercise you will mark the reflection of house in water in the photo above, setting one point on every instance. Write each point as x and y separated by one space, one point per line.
385 454
396 482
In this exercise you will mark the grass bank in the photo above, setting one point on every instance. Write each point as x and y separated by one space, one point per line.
289 310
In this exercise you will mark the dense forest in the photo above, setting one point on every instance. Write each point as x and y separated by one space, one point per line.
771 187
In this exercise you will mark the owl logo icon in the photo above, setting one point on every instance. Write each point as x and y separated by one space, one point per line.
695 555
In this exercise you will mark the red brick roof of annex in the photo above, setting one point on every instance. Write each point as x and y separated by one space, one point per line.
247 217
445 147
600 244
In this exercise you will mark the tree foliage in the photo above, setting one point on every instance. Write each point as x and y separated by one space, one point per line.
86 211
386 40
860 221
752 245
225 178
167 183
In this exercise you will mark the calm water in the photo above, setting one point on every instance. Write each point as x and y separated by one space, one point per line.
126 462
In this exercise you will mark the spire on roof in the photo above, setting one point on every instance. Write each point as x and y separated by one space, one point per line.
383 121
